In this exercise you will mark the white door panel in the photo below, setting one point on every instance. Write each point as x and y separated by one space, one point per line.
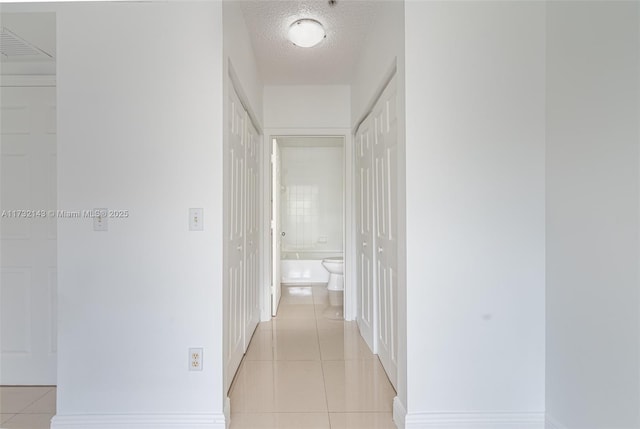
385 164
365 243
252 214
28 287
242 229
236 237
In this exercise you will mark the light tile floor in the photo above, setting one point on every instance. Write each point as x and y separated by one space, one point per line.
303 370
27 407
307 370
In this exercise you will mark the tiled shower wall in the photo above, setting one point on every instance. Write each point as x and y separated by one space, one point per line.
312 199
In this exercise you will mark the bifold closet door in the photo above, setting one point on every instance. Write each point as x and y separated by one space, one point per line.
385 164
252 233
364 233
236 237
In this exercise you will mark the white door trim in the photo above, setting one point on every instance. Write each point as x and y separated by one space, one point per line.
349 232
275 227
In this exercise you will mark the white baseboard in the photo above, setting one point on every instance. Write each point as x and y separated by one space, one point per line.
139 421
399 413
552 423
404 420
227 411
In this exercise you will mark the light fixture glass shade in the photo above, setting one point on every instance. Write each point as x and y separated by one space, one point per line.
306 33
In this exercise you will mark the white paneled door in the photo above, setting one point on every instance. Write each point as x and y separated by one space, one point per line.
376 161
365 244
242 229
252 222
28 291
236 310
385 152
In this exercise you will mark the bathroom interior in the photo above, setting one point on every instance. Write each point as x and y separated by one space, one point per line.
312 216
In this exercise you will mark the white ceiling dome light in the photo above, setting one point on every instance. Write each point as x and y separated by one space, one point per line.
306 33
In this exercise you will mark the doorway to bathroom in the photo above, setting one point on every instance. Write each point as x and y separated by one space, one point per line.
309 240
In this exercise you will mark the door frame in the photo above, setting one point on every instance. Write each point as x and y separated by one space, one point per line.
350 294
275 226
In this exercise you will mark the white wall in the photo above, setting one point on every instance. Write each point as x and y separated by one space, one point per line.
307 106
593 332
384 46
312 198
140 129
238 50
475 212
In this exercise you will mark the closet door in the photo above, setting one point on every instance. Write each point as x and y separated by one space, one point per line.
385 153
236 237
28 273
252 232
364 233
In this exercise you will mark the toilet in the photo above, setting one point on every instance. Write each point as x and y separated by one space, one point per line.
335 266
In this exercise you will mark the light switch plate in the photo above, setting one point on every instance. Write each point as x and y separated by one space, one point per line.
100 220
196 219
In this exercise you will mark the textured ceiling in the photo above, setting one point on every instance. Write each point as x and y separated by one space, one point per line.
347 25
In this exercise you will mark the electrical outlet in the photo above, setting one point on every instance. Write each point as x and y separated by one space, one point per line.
195 359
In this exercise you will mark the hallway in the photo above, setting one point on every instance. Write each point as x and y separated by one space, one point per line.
305 370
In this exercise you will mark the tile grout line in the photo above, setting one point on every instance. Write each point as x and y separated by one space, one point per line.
31 403
324 380
10 418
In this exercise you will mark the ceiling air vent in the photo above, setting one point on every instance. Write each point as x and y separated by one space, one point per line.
14 47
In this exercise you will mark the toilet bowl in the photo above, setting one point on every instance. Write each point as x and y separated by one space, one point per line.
335 266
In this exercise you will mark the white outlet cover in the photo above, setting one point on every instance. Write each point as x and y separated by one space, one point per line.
100 220
195 359
196 219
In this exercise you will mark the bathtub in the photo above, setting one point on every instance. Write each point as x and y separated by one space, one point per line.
304 267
